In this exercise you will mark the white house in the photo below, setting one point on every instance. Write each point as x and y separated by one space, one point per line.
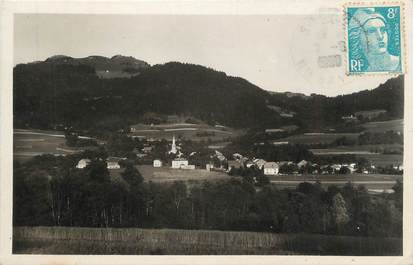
179 162
220 156
259 163
113 162
83 163
271 168
398 167
352 167
336 167
302 163
147 149
157 163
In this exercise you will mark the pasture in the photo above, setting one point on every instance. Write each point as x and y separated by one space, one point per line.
137 241
370 181
373 153
383 160
377 159
317 138
358 149
167 174
194 132
382 126
29 143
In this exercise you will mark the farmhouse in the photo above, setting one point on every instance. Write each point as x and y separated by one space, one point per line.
281 163
349 118
179 162
398 167
277 130
147 149
83 163
233 164
220 156
302 163
157 163
280 143
352 167
249 164
271 168
326 169
259 163
113 162
287 115
336 167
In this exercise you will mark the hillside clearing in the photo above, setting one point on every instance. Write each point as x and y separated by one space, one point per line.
30 143
382 126
317 138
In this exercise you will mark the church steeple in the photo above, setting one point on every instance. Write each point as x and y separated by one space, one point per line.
173 149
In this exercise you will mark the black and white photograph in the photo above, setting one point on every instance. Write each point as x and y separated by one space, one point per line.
204 134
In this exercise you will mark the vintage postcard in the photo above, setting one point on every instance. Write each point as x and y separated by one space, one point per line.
182 132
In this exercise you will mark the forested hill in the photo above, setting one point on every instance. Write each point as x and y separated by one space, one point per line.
58 91
318 111
46 94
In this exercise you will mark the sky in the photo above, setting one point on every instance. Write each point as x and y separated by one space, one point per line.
296 53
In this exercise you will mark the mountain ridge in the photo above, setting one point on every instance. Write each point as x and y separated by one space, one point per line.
63 90
105 67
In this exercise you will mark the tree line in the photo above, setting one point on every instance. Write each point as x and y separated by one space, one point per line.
50 191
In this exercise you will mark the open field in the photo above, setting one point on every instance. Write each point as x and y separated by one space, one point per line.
383 159
372 182
358 149
382 126
317 138
129 241
167 174
370 152
325 138
29 143
195 132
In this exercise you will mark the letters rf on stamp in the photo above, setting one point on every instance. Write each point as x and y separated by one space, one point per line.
374 39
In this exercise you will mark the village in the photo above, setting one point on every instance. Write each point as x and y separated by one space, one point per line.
175 159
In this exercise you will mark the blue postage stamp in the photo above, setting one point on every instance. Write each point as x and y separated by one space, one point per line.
374 39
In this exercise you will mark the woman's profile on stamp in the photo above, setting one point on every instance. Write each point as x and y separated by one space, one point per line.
369 43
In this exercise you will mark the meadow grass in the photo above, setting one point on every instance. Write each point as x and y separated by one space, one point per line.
136 241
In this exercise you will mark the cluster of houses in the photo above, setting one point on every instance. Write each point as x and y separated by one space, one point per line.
289 167
269 168
111 162
360 115
183 163
177 163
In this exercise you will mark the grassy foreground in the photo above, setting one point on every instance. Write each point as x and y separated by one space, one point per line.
135 241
